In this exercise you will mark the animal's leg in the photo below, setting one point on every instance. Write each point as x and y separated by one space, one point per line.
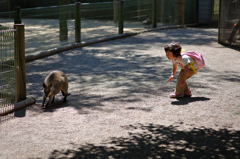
65 94
44 99
53 99
50 100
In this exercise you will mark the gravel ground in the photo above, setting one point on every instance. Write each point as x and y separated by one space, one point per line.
119 105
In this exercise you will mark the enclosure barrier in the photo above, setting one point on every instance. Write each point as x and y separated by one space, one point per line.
12 68
8 93
52 27
229 23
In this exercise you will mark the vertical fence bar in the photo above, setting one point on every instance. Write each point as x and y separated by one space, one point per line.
154 16
63 21
19 64
211 5
219 22
18 16
182 12
78 22
121 18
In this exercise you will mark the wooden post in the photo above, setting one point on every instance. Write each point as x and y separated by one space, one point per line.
115 11
63 21
154 16
19 63
78 22
19 105
18 16
121 18
182 12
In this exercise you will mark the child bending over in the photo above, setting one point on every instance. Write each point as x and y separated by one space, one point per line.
173 52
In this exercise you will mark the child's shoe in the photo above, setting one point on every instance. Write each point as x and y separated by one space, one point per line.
188 93
176 95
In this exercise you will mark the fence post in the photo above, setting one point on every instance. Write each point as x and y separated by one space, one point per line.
19 63
219 22
211 5
121 18
182 12
78 22
63 21
154 16
18 15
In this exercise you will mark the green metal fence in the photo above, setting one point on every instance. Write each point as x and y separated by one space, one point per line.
51 27
8 87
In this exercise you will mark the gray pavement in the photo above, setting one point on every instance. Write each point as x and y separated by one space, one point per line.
119 105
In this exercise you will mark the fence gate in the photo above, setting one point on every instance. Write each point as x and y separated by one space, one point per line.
8 97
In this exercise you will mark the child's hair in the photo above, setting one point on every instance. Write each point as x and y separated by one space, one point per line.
175 48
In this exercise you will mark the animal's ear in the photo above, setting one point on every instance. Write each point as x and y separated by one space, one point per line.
50 85
44 85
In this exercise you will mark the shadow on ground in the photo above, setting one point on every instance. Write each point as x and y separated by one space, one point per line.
123 70
97 75
158 141
187 100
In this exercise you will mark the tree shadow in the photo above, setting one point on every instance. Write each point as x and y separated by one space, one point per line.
187 100
231 76
158 141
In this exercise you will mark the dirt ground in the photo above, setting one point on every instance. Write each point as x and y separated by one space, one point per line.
119 105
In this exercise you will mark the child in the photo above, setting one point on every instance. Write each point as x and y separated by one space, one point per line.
173 52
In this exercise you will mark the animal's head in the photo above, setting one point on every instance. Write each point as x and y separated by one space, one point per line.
47 89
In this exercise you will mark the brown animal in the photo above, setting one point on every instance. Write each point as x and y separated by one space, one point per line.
55 82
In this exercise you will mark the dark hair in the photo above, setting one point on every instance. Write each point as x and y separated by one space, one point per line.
175 48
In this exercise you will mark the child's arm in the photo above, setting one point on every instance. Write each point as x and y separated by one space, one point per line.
174 70
186 71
